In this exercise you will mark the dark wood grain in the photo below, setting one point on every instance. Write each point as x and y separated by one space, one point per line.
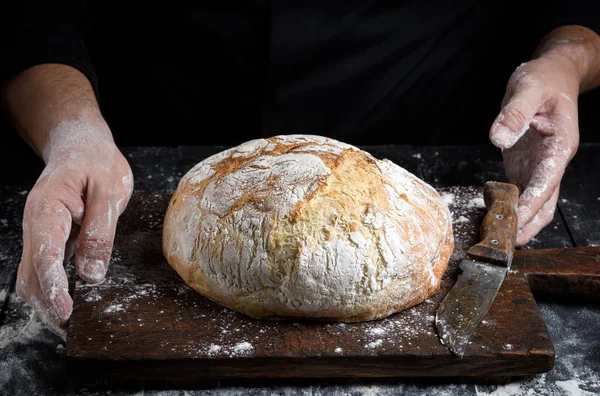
499 226
559 273
579 199
145 323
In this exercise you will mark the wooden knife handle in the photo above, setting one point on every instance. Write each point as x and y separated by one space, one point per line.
499 227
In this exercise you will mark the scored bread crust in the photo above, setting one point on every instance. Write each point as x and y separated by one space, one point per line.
302 226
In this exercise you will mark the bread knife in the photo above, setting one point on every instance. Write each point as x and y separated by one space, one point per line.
483 270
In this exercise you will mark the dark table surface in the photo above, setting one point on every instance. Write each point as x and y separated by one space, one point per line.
32 358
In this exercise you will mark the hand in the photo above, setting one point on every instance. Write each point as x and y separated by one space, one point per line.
88 182
539 134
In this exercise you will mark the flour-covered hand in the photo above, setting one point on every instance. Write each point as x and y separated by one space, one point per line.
86 183
538 132
537 128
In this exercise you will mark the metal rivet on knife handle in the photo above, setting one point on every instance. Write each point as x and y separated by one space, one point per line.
499 227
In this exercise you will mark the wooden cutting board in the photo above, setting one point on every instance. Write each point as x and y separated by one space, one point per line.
144 322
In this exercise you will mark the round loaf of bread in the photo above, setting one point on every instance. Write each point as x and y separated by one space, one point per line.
302 226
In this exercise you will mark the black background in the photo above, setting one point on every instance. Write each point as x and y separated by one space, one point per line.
161 82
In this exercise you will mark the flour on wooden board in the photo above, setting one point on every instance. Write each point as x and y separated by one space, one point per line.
571 375
243 348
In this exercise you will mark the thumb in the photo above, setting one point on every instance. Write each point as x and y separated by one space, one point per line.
96 237
516 115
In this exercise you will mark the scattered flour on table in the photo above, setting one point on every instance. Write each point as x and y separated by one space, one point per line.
377 331
123 302
29 332
92 296
114 308
574 372
374 344
529 387
213 349
537 385
243 348
476 202
465 204
572 388
27 349
448 198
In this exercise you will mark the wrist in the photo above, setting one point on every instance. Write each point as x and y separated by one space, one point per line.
41 97
79 134
576 49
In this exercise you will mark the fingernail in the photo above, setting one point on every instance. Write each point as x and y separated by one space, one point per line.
94 271
502 137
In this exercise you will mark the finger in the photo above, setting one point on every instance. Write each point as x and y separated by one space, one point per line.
28 286
50 228
516 115
543 182
96 237
72 242
539 221
24 286
75 206
73 202
123 201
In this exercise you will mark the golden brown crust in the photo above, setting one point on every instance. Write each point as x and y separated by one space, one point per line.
368 314
200 230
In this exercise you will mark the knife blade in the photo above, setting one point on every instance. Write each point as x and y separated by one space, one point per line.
484 268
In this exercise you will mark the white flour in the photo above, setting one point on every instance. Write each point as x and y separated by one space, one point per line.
571 375
374 344
29 332
571 387
476 202
243 348
223 228
115 308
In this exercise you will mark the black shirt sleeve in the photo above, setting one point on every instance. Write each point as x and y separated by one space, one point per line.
552 15
35 33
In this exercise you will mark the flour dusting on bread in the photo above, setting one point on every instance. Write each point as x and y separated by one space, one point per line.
303 226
